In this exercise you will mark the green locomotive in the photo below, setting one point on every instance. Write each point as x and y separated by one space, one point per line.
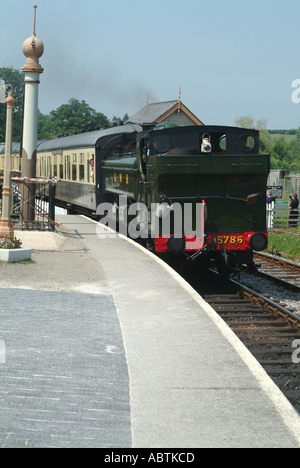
219 168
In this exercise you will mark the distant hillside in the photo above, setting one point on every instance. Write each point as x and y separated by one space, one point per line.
288 135
283 132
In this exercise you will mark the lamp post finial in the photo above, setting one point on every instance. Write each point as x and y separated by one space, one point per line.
34 20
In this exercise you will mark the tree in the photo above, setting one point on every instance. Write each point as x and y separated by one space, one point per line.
248 121
118 119
15 79
245 122
298 136
69 118
285 154
280 150
44 127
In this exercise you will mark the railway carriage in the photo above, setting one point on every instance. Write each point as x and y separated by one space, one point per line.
77 162
15 160
218 167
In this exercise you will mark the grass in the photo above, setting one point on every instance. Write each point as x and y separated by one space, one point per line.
22 262
287 242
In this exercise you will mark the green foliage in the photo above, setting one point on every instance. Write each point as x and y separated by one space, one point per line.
15 78
282 145
118 119
285 154
248 121
69 118
298 136
279 149
264 141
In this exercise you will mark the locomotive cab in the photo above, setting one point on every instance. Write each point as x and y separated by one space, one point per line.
221 168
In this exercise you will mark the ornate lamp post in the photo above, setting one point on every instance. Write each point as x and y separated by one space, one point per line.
33 49
5 222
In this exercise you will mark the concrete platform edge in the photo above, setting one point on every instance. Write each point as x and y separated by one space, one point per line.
288 414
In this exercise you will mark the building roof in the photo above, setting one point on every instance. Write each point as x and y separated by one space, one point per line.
156 113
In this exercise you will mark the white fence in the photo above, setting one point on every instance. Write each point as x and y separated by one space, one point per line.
278 216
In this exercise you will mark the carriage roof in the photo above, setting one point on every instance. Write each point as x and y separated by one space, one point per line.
85 140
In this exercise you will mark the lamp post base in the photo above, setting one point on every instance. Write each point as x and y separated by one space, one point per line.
5 227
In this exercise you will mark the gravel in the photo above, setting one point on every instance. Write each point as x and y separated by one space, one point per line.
288 299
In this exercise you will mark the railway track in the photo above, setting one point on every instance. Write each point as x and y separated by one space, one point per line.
266 328
279 270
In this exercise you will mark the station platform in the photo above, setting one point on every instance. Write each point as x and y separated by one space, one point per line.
106 346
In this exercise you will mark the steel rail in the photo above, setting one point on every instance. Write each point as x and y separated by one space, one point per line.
270 305
277 260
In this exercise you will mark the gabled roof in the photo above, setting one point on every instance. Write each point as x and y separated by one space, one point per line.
156 113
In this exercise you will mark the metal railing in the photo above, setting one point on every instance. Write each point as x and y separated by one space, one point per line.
33 204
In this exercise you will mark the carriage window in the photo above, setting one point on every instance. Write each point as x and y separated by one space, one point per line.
67 167
61 171
39 163
48 173
92 168
74 172
81 172
55 170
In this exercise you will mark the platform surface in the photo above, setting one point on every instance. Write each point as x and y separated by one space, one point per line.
108 347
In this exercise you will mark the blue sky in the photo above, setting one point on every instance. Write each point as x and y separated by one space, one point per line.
232 58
